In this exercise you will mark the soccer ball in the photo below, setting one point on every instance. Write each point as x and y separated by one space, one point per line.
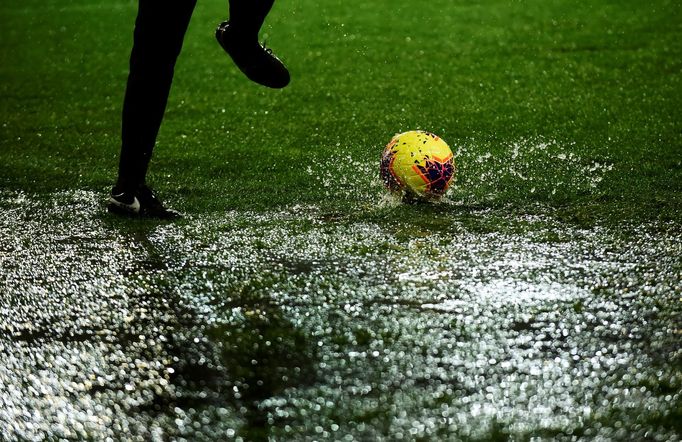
418 164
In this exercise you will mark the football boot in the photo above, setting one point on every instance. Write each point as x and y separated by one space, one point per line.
256 61
141 202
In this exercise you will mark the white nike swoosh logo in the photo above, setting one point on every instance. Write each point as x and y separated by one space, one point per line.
134 207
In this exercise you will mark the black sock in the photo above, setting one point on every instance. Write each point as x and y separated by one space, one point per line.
247 16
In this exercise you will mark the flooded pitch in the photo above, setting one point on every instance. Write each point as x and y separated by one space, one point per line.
302 325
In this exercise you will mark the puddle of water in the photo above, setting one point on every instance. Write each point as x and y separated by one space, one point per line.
296 325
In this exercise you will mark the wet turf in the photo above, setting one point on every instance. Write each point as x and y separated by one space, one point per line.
297 301
292 325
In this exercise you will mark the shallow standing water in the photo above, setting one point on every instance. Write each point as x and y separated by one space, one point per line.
298 325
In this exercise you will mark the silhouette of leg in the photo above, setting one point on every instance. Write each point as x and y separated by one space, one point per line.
159 32
247 16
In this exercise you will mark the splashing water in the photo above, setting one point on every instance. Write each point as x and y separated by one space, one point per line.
484 172
524 165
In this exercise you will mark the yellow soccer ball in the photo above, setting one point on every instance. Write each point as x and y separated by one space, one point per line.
419 164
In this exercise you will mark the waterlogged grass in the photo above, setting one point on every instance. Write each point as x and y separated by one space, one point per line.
297 300
292 325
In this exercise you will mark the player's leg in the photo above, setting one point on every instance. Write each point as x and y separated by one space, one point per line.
247 16
239 38
159 32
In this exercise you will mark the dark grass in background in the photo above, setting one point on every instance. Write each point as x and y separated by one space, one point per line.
600 79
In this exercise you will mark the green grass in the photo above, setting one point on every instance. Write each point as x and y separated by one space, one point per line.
599 80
